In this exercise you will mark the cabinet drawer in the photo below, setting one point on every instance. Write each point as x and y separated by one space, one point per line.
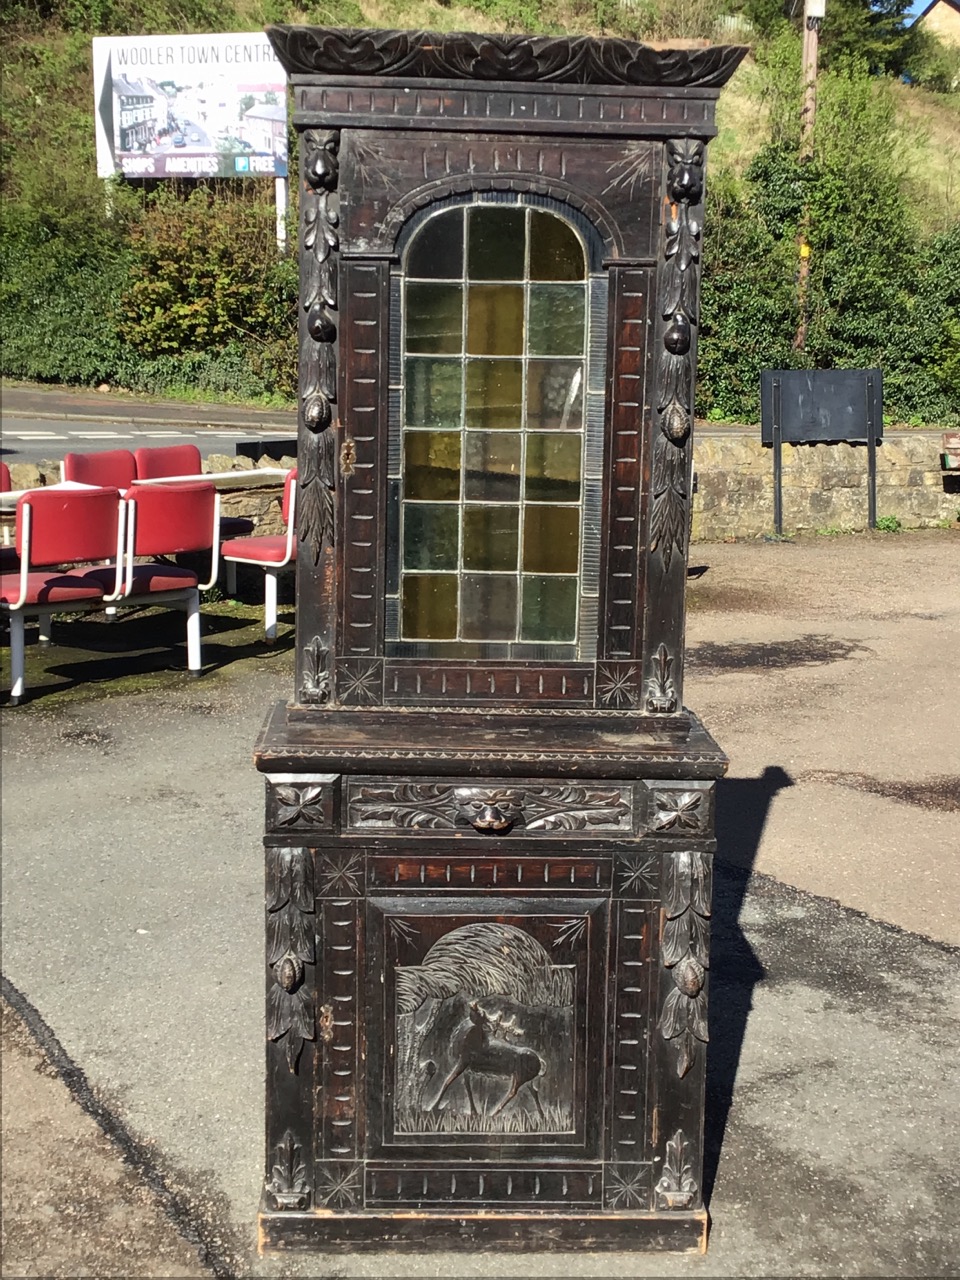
448 806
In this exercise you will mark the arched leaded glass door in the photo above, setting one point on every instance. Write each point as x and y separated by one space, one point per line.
496 440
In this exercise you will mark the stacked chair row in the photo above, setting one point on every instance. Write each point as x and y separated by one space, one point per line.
271 553
58 528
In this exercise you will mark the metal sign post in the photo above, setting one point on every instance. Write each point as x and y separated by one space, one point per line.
821 406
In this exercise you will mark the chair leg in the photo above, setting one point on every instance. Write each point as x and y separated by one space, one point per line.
270 604
16 658
231 577
194 659
44 622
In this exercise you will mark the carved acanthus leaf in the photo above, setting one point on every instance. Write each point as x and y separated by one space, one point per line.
288 1186
684 950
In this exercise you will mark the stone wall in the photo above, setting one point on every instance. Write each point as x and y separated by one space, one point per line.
824 485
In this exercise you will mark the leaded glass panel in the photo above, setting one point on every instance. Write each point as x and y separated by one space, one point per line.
489 466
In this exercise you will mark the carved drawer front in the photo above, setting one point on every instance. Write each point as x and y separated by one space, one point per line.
461 807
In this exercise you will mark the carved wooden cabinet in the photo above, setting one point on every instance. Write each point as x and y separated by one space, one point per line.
489 823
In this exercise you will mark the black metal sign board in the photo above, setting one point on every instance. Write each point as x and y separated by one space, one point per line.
821 406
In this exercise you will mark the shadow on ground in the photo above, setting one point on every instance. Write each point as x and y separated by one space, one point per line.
742 808
140 648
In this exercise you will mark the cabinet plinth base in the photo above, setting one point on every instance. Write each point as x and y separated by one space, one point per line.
419 1231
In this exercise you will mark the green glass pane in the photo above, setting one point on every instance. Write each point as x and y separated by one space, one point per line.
495 239
435 318
551 539
488 607
433 393
555 394
436 251
556 326
430 536
490 537
553 468
495 320
549 609
555 249
494 394
431 465
429 606
492 466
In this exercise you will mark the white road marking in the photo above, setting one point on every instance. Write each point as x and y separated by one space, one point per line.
100 435
32 435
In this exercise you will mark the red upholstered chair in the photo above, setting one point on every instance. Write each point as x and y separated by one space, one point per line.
61 527
271 553
113 467
168 520
159 461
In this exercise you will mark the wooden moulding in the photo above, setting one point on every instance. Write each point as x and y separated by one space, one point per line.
417 1232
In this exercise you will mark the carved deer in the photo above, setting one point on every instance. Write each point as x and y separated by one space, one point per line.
475 1049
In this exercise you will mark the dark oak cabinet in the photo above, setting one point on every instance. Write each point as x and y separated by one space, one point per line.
489 827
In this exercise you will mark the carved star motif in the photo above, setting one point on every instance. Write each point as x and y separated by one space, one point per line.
637 874
617 686
339 1186
359 683
625 1186
341 875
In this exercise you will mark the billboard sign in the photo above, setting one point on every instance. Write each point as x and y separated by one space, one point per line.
211 106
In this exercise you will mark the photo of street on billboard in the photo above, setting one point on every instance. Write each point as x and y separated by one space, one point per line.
211 106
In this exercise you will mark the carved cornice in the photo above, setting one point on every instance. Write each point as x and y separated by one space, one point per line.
418 55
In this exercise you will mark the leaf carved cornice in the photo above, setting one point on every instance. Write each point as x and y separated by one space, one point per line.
419 55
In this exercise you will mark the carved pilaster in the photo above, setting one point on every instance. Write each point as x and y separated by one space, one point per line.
290 947
685 951
318 345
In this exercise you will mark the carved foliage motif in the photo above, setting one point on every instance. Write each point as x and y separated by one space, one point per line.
290 930
442 806
318 358
466 56
287 1186
300 805
678 309
661 693
679 810
316 677
677 1188
685 951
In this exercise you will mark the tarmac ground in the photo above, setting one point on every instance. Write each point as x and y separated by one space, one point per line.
132 939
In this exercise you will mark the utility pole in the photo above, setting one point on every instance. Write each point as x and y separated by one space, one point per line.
813 13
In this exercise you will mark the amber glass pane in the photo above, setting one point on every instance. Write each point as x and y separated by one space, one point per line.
492 466
490 537
551 539
431 465
495 244
494 393
494 320
488 607
555 394
556 320
435 318
433 393
430 536
553 468
549 609
429 606
555 251
436 252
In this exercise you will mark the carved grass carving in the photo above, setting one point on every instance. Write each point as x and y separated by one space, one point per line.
685 951
316 676
469 56
661 692
677 1188
288 1187
290 931
318 354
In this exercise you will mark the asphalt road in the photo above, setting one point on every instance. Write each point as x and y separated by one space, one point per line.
45 423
